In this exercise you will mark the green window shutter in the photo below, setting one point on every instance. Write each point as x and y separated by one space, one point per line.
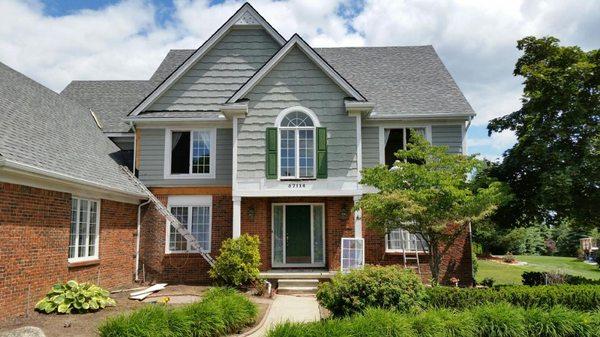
271 162
321 153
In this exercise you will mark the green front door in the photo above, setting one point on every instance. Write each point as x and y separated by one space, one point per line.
297 228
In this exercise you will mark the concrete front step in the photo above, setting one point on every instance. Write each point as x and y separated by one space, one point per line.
297 286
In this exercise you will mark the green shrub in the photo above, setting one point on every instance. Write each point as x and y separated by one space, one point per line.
556 322
499 320
492 320
238 262
488 282
443 323
373 286
536 278
220 312
533 278
577 297
73 297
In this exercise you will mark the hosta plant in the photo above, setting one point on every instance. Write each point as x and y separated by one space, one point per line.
73 297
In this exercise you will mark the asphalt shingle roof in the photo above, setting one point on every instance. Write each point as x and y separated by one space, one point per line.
43 129
399 80
110 100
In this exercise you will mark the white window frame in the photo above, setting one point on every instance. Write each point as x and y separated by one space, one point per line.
312 239
97 243
168 149
390 126
296 130
398 250
189 201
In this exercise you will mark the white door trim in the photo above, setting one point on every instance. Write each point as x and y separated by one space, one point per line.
312 251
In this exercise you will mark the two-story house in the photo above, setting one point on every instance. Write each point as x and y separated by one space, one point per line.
255 133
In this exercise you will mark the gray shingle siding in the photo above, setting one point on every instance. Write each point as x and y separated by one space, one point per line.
296 81
225 68
152 156
448 135
370 146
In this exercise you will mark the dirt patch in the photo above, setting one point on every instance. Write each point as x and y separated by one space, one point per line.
85 325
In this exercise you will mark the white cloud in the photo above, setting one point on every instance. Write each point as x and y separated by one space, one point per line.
475 39
497 141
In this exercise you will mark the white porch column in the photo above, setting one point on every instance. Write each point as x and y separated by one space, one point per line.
357 220
237 217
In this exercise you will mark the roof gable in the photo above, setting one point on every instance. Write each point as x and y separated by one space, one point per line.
246 16
297 41
208 84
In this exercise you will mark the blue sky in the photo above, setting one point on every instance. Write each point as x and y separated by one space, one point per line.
57 41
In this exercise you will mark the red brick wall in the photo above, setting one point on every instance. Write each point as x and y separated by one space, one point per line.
191 268
455 263
34 240
180 267
336 227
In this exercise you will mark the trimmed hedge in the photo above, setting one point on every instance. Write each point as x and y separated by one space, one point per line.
537 278
576 297
222 311
389 287
496 320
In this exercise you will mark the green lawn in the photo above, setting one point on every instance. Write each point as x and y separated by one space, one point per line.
509 274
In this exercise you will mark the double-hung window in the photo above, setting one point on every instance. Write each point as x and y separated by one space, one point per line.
399 240
85 227
195 214
395 139
190 153
297 146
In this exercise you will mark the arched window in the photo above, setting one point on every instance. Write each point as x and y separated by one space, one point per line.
297 143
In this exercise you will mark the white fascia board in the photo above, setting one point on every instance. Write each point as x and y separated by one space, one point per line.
173 119
23 174
231 111
119 134
420 116
246 16
359 108
296 40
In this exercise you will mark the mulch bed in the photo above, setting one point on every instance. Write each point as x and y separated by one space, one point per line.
85 325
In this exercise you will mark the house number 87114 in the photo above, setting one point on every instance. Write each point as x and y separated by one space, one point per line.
296 185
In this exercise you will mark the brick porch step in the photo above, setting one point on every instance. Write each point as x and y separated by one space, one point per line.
297 286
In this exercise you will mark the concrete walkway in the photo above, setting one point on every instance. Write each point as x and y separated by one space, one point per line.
289 308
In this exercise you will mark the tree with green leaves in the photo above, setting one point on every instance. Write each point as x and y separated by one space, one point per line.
428 192
554 168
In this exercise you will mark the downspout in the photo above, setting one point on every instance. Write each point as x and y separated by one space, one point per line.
132 126
137 240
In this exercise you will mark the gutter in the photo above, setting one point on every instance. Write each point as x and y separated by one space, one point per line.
35 170
137 240
174 119
419 116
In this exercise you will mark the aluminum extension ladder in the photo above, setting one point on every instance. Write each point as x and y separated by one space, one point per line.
169 216
410 257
